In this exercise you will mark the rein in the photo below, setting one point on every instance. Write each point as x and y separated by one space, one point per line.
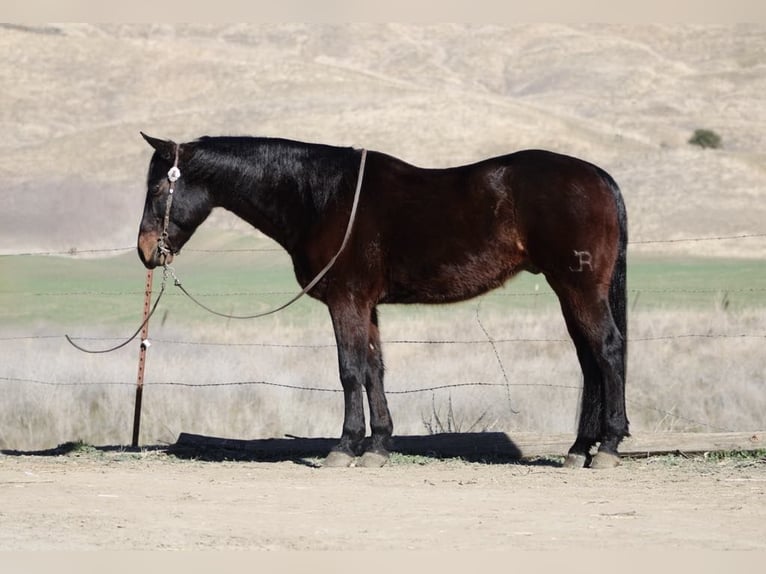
309 286
134 335
174 174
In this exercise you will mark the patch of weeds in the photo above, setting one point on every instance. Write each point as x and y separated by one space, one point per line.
74 448
399 459
439 423
483 459
737 457
746 457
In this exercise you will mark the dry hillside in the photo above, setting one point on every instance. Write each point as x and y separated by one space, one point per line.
628 98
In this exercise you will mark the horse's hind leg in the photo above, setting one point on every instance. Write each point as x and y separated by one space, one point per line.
589 423
381 425
600 349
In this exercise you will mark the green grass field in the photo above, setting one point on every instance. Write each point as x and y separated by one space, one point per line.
696 328
245 276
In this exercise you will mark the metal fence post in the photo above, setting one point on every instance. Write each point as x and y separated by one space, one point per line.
142 358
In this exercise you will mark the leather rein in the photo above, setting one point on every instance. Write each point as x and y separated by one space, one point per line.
174 174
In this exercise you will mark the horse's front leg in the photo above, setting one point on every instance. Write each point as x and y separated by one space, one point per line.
382 427
352 328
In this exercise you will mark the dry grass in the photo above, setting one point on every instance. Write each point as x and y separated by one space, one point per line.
678 384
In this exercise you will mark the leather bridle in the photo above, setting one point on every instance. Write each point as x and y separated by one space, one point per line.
174 174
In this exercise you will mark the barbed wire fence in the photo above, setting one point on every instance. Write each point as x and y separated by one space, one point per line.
741 335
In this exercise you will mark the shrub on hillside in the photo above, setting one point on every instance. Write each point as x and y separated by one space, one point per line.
705 139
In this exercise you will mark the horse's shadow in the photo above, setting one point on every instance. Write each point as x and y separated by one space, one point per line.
485 448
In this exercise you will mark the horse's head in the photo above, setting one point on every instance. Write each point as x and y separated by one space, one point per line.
168 223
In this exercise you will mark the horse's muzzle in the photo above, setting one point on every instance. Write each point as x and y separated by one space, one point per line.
149 251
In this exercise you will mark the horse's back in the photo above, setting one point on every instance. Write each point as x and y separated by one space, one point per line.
451 234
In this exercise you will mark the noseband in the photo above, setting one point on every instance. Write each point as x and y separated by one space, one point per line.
174 174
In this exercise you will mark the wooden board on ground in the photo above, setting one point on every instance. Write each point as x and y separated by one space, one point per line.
469 445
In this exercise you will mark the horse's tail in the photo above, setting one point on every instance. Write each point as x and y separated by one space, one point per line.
618 294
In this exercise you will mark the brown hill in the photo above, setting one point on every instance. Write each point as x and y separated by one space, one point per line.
628 98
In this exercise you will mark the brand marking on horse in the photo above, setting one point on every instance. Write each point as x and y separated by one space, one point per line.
584 260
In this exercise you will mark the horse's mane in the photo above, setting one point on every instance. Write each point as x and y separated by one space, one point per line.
317 172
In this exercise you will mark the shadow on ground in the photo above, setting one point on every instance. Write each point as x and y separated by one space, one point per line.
487 448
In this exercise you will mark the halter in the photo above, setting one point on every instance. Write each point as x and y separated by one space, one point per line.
174 174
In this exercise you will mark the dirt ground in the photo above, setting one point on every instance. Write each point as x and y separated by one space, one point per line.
151 500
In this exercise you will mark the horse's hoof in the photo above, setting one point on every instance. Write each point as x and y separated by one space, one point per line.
371 459
575 461
604 460
338 459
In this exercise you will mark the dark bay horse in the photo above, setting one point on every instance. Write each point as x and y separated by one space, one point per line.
419 236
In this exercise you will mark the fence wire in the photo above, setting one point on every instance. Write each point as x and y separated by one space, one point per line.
488 340
74 252
302 388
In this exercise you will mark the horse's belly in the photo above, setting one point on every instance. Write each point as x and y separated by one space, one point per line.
451 281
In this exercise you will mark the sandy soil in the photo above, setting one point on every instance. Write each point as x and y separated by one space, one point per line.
150 500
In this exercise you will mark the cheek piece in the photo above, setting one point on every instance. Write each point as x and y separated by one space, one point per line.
174 175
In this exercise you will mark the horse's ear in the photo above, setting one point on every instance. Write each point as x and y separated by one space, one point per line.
166 148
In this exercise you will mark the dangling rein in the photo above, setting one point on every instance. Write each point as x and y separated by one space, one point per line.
174 175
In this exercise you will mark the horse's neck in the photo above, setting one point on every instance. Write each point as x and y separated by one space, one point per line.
281 211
